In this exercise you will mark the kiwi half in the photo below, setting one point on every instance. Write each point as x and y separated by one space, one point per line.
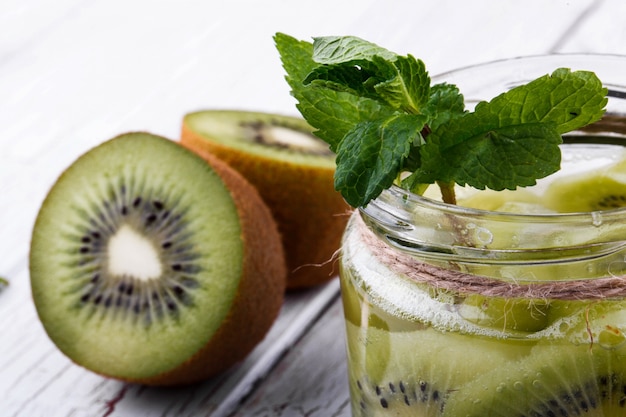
150 265
293 171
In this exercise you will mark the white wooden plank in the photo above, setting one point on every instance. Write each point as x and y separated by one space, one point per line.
312 380
35 375
600 30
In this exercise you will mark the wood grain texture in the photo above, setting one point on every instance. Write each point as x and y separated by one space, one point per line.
74 73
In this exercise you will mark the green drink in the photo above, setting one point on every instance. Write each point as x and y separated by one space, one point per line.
492 303
440 345
514 306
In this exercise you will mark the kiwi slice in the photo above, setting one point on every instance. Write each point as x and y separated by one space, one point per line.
293 171
508 201
602 189
414 373
506 314
152 265
554 380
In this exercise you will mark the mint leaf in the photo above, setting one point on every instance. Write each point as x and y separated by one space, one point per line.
379 113
487 157
341 49
569 99
332 112
358 77
513 140
445 103
370 156
296 57
335 113
409 88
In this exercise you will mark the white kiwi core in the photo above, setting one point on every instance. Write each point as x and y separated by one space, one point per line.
295 139
131 254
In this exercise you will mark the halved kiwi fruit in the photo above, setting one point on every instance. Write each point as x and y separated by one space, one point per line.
150 265
293 171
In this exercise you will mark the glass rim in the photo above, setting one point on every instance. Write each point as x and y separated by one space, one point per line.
530 58
407 199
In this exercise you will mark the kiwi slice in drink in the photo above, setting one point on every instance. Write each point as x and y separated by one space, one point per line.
554 380
505 314
153 265
602 189
507 201
293 171
414 373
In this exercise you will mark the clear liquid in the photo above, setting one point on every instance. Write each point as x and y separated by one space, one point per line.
416 351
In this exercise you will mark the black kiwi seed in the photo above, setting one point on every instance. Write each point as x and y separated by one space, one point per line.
574 381
158 221
612 201
399 398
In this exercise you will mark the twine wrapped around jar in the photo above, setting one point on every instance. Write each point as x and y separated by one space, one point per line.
460 282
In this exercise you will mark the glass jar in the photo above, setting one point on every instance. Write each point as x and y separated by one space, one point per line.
462 312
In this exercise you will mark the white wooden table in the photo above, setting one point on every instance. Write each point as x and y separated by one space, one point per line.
74 73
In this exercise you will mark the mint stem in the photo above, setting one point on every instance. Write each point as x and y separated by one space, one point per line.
447 192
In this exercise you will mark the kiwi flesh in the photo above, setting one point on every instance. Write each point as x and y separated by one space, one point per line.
554 380
602 189
414 373
152 265
505 314
507 201
293 171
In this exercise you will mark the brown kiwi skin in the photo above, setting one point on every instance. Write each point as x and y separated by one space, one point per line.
310 214
260 294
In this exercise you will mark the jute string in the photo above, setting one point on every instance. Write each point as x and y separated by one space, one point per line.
460 282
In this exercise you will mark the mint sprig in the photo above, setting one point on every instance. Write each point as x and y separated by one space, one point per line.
379 112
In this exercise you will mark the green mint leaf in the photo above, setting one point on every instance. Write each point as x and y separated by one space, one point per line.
341 49
328 109
569 99
488 148
408 90
296 57
370 156
445 103
379 113
358 77
474 152
335 113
